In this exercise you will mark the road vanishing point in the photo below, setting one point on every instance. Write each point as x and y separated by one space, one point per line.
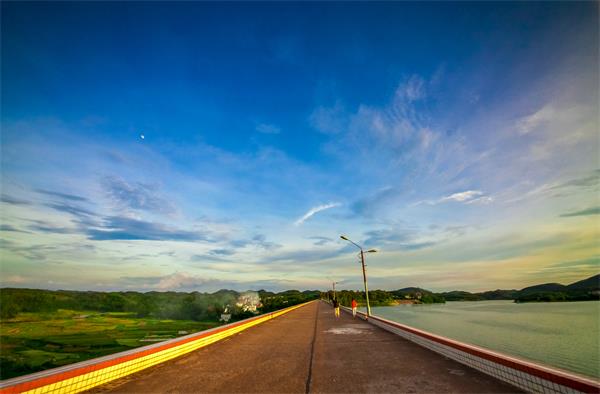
308 350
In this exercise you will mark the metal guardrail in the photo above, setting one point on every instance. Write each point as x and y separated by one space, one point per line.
523 374
85 375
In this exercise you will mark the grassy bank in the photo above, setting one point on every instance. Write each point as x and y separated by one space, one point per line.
33 342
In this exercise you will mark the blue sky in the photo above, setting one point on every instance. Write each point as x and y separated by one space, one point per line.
196 146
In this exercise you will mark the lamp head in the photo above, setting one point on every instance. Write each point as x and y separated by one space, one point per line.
344 237
372 251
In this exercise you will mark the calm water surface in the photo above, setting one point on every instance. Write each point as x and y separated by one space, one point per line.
560 334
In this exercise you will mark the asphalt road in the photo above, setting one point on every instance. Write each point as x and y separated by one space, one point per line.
308 350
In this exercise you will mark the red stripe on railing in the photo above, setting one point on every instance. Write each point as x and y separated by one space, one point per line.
137 353
559 377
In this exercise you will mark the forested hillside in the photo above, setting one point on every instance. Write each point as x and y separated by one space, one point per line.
165 305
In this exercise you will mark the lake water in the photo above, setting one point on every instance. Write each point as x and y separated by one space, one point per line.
559 334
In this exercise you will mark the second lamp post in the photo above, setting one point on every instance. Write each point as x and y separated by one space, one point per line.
362 260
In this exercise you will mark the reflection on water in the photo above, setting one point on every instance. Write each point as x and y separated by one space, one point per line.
564 335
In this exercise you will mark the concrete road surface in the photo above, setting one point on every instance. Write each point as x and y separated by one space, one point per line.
309 350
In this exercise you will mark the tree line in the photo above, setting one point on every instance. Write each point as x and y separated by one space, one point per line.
163 305
384 297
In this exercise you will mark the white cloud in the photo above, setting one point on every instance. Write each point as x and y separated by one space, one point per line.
468 197
557 129
462 196
398 130
480 200
413 89
315 210
179 281
267 128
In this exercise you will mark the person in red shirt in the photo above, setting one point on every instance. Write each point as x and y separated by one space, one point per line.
354 305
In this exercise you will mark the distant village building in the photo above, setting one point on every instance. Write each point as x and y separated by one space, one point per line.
225 316
248 301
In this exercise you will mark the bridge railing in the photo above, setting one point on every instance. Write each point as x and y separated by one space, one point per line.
523 374
85 375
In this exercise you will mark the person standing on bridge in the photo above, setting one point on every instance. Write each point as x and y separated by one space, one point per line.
336 307
354 305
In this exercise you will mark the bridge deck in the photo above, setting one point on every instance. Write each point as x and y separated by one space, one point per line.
308 350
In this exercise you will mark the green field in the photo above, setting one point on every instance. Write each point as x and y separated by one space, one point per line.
32 342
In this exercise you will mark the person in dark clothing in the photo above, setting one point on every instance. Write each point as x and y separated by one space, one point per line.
336 308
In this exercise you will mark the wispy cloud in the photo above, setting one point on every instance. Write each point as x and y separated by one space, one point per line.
83 217
98 227
12 200
36 252
314 210
64 196
188 281
268 128
481 200
41 226
592 180
13 280
308 255
177 281
222 252
536 120
368 205
583 212
574 265
466 197
563 188
136 195
329 120
8 227
381 236
462 196
123 228
413 89
398 239
545 129
320 241
258 240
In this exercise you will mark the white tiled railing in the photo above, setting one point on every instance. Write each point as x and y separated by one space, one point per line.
523 374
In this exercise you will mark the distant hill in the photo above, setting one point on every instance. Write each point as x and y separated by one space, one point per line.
457 295
583 290
592 283
499 294
418 294
412 290
586 289
482 296
542 288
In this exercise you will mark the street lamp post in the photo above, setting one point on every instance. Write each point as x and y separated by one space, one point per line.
334 295
362 260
